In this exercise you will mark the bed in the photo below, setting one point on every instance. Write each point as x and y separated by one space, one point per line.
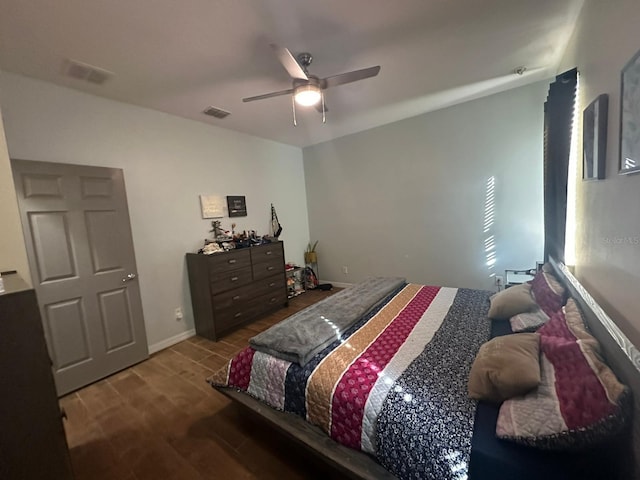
392 385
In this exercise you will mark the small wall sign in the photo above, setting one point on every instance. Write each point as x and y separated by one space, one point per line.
212 206
237 206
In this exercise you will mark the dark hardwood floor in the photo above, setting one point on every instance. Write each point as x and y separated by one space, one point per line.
161 420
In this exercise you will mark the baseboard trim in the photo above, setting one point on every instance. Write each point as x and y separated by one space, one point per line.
156 347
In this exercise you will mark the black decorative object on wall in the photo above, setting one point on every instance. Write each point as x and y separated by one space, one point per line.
237 206
594 138
630 116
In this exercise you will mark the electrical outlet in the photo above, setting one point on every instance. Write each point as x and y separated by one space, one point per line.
345 270
499 280
179 315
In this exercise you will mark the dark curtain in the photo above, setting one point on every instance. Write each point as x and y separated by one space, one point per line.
558 123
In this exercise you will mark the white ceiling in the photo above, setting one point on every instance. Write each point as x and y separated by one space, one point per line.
180 56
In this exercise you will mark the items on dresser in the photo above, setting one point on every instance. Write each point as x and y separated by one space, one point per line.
229 289
32 438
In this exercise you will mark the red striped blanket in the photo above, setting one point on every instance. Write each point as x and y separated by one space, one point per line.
343 389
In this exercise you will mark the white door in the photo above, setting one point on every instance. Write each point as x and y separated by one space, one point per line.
78 237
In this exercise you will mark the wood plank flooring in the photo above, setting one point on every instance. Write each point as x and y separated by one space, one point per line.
161 420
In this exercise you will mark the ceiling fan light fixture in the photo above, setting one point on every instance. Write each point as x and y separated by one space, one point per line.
307 95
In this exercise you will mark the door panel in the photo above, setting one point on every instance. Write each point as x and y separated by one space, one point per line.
104 240
78 237
65 323
116 318
42 186
52 245
96 187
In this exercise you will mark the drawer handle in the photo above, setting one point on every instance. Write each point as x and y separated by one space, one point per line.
237 297
270 268
237 315
273 299
233 260
234 279
269 252
272 284
63 413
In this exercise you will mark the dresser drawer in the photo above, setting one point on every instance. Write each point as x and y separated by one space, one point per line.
220 263
248 293
232 279
270 300
266 253
233 298
268 268
238 314
271 284
231 317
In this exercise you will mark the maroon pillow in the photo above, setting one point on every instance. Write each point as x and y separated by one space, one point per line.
548 292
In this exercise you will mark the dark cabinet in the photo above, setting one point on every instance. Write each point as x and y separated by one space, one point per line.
234 288
32 438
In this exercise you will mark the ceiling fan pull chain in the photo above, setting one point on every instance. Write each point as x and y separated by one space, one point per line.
324 110
293 106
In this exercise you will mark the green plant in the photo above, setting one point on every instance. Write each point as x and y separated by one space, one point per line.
311 248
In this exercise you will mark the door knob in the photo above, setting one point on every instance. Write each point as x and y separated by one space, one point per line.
129 277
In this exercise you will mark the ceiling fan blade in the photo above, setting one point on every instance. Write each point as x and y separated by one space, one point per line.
268 95
349 77
289 62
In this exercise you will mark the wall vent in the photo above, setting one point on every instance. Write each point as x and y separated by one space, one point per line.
86 72
216 112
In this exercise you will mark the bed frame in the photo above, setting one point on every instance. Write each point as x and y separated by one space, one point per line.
347 462
621 355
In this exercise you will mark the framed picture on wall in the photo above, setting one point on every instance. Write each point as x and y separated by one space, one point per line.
594 138
212 206
630 116
237 206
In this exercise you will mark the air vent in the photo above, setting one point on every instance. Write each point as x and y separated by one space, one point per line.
84 71
216 112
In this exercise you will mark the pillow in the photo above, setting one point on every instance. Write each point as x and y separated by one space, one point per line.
579 403
528 321
546 267
548 292
505 367
511 301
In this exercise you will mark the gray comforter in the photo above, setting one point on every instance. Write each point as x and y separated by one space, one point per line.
300 337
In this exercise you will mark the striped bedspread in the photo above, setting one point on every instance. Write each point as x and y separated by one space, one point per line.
392 385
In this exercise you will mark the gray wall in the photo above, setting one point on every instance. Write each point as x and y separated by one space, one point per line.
608 226
409 198
168 162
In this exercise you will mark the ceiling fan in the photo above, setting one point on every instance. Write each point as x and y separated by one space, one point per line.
308 90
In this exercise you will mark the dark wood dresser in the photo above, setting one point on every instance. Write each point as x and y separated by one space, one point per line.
234 288
32 438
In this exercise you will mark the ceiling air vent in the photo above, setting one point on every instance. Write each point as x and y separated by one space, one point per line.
84 71
216 112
